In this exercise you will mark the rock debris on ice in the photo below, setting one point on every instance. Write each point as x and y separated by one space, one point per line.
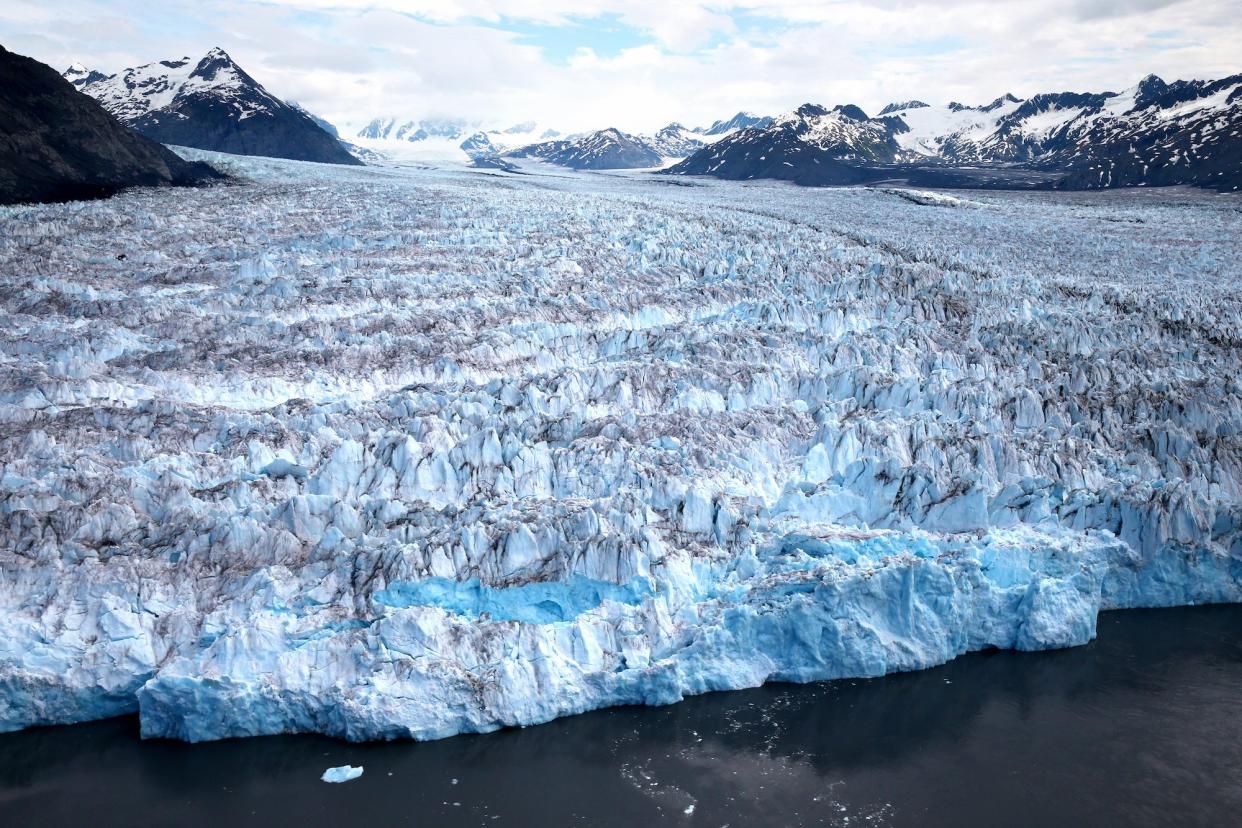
387 453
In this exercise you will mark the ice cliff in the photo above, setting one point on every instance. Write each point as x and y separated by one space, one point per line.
390 453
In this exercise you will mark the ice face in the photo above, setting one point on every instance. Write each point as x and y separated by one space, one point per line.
395 452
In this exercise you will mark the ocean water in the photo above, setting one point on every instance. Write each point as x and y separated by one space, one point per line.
1141 727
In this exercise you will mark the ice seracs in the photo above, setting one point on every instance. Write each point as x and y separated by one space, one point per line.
437 451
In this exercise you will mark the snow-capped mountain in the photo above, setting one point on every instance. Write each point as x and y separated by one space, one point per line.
742 120
899 107
57 145
411 130
1153 133
613 149
676 141
458 139
1187 132
607 149
212 104
80 76
447 139
812 144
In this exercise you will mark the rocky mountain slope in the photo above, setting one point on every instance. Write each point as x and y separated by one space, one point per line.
57 144
213 104
361 153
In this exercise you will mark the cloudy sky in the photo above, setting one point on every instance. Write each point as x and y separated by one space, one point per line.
638 64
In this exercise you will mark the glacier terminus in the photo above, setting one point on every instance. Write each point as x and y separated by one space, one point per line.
407 452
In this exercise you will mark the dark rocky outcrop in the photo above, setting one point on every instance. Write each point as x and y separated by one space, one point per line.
57 144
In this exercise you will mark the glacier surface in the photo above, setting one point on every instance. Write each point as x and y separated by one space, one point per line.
411 452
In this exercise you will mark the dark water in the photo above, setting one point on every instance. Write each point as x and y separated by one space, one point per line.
1142 727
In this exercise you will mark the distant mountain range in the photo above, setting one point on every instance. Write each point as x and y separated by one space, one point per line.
464 140
448 139
211 104
59 145
609 149
1152 134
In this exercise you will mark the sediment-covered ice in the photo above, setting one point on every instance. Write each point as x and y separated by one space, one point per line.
388 452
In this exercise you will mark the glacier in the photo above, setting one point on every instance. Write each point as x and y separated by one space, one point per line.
413 451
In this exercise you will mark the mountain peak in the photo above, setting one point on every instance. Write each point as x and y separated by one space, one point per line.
212 103
902 107
810 110
850 111
80 76
742 120
215 60
1007 98
1149 91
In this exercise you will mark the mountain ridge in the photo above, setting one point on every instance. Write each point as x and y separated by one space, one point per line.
1152 134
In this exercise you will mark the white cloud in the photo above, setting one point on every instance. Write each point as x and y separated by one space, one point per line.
697 60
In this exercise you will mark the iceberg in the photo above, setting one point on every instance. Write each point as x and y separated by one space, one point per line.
344 773
405 453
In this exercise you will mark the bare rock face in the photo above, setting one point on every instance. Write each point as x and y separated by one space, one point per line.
57 144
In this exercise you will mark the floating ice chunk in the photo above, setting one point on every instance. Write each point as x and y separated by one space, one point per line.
343 773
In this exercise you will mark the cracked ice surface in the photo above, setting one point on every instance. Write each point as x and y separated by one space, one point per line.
413 452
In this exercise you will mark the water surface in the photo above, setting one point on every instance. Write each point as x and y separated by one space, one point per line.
1141 727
